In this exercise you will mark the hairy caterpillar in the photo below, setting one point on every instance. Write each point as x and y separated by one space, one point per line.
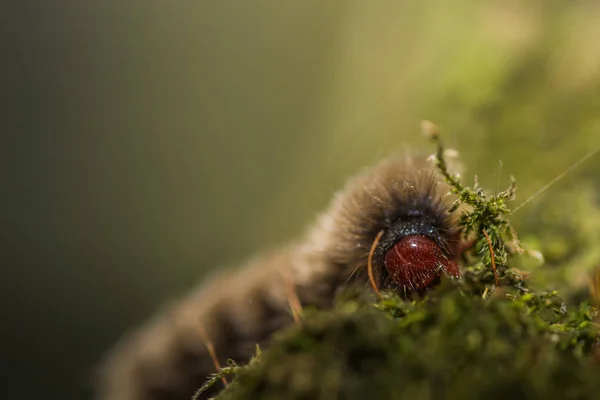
395 214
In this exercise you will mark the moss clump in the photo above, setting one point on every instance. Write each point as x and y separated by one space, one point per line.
452 344
485 336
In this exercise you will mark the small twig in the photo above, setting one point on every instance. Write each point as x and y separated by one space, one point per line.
492 255
292 297
370 264
211 351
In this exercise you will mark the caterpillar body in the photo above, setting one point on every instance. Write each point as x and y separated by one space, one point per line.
401 202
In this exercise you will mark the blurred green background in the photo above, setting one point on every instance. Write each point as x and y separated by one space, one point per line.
147 143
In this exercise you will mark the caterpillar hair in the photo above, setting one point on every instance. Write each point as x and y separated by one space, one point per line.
402 202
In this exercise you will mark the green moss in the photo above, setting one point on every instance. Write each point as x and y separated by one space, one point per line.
464 339
450 345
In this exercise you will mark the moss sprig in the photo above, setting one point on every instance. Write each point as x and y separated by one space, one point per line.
485 219
232 369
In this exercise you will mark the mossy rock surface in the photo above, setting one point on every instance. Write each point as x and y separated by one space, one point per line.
453 344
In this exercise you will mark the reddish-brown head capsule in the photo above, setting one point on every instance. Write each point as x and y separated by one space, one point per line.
416 261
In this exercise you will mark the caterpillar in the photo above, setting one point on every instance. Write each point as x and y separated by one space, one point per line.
391 225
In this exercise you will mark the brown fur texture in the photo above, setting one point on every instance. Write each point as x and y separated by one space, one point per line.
167 359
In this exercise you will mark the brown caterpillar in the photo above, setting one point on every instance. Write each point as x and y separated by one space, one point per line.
401 202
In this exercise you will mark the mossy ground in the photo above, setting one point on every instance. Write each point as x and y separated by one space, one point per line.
452 344
464 339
